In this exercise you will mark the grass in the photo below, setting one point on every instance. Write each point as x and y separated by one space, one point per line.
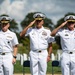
18 68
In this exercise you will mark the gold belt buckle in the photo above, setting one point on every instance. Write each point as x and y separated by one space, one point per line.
39 51
2 53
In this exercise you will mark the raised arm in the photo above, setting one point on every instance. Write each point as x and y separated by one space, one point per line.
26 28
55 30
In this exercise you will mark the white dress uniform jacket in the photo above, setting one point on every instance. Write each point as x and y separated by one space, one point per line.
39 38
67 39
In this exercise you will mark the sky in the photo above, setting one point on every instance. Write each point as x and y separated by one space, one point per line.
53 9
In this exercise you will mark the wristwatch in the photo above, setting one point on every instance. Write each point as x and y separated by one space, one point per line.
15 57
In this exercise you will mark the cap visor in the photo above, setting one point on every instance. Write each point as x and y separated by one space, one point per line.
4 21
38 18
71 20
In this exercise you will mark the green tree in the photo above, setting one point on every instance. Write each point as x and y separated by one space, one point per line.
13 25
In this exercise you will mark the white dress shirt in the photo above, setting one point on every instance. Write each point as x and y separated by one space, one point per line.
8 39
39 38
67 39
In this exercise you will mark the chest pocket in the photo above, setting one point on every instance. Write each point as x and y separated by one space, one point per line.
9 39
44 37
32 35
66 36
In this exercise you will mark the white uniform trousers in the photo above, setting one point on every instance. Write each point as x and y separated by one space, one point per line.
6 66
68 63
38 62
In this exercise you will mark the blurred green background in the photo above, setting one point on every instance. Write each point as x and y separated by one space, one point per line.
19 68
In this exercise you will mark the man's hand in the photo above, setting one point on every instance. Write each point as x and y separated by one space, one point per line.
14 61
26 28
56 30
48 58
64 23
32 23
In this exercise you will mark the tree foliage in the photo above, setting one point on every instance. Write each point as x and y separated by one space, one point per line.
27 20
13 25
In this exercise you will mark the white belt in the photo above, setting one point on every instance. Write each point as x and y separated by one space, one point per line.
39 51
4 53
69 52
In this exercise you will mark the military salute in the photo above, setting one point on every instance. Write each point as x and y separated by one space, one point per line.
8 47
68 44
40 41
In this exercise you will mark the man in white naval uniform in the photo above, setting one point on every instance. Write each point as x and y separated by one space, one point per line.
67 36
8 47
40 40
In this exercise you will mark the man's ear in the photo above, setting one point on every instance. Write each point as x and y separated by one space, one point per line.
8 25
